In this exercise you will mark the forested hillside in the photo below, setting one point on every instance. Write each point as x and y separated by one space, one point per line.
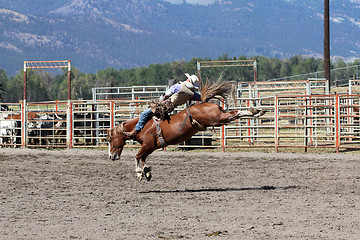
96 34
43 85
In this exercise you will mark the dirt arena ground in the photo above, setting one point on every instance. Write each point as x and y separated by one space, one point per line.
80 194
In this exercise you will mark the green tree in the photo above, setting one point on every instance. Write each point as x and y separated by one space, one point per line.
14 88
36 88
269 68
285 69
3 82
107 78
59 89
178 70
82 86
44 86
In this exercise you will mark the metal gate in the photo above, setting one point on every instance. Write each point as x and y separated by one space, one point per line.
300 121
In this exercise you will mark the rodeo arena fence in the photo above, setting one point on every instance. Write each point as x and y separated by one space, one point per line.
300 114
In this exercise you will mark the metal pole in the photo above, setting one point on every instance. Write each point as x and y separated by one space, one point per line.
24 112
69 80
276 123
337 123
112 114
69 118
255 71
198 69
69 125
327 42
223 135
25 76
23 124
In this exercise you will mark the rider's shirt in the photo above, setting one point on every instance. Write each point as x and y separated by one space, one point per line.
181 93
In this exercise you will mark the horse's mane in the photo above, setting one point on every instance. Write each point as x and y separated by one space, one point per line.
119 129
217 89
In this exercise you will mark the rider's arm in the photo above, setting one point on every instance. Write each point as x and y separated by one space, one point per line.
168 93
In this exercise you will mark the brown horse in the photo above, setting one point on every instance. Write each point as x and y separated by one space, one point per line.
179 127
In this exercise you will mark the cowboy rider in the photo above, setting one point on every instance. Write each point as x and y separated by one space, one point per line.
178 94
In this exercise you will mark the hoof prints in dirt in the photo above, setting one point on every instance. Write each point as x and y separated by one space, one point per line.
81 194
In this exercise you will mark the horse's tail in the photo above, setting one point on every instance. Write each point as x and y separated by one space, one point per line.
220 88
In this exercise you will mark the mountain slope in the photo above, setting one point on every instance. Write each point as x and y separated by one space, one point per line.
96 34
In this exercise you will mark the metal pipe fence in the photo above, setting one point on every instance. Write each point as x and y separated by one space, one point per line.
296 121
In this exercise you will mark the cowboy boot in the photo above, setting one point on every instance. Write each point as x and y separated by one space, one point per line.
132 134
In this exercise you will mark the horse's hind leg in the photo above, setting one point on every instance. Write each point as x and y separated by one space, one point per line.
252 112
226 117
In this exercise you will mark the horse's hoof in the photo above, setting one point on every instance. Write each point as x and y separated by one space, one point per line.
262 112
254 111
148 176
147 173
140 175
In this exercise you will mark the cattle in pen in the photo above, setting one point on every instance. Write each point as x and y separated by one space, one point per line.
9 129
9 132
46 127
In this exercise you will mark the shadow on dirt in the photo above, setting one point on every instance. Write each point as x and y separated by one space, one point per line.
263 188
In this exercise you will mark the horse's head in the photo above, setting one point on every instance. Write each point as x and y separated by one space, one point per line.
116 140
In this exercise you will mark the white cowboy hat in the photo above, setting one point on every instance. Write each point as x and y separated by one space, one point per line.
193 79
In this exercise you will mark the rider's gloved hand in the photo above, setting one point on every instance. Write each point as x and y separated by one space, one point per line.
163 97
166 95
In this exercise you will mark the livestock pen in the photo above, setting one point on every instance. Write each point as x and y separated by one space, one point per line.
300 121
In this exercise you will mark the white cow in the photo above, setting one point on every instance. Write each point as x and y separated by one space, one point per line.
7 130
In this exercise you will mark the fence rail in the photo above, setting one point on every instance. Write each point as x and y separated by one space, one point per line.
301 121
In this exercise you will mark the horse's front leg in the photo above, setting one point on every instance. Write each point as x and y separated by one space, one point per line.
142 170
138 169
147 172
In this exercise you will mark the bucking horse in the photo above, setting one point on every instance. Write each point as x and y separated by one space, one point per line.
158 133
